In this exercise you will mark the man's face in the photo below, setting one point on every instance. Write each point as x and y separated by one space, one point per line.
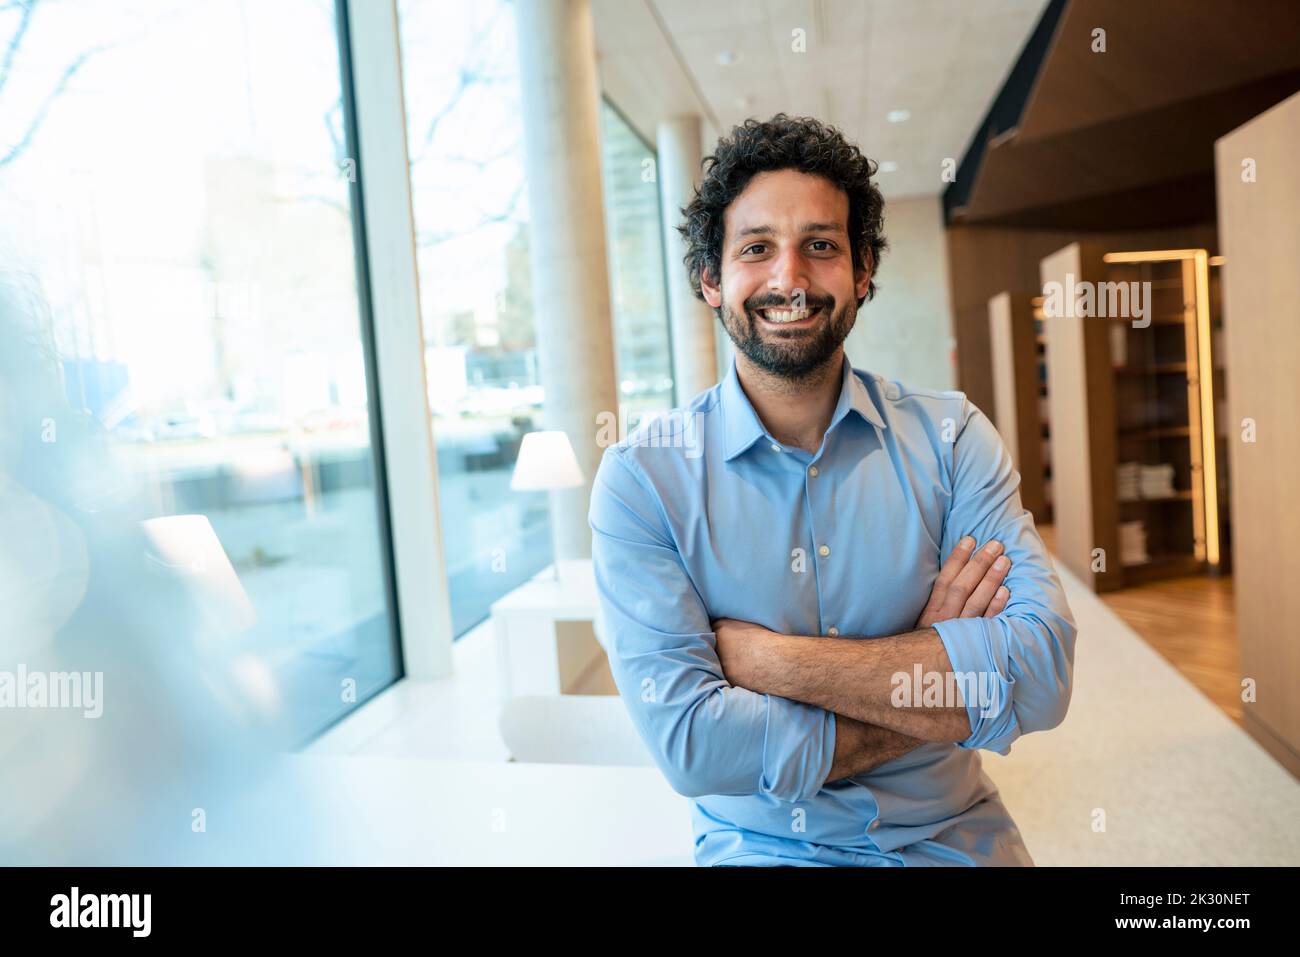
786 246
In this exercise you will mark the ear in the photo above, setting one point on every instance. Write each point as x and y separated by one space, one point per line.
711 290
862 277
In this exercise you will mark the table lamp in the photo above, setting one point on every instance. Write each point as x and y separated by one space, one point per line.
546 463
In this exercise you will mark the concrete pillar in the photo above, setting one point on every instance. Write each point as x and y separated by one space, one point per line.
557 56
695 354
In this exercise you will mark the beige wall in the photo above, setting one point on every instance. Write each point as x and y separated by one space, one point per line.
1261 321
905 333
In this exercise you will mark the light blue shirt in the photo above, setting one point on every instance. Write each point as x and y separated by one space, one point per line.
703 515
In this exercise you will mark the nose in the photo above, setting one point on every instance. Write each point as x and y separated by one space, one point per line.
789 274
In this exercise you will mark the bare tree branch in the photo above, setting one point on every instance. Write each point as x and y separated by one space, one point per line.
12 51
428 239
470 73
482 162
332 116
39 118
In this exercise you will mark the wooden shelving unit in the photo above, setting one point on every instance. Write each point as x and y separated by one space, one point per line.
1166 410
1141 482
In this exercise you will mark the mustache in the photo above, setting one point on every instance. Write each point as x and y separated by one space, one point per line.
780 302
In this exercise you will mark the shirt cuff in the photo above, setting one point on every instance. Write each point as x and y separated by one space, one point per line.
977 650
798 749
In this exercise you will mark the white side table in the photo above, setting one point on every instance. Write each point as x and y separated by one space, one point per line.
532 658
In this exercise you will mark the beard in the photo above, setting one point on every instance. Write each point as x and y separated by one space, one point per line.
794 353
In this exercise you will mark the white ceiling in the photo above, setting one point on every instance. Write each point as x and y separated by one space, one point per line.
942 60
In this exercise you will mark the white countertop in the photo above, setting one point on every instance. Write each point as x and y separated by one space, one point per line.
408 811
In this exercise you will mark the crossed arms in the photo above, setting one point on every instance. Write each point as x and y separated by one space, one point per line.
856 679
730 709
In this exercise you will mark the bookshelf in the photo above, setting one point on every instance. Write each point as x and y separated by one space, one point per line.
1171 485
1138 451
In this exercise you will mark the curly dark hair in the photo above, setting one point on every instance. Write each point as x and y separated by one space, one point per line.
783 142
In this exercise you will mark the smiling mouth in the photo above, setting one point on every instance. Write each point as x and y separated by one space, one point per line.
785 316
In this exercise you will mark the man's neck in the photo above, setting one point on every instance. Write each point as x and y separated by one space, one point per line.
795 411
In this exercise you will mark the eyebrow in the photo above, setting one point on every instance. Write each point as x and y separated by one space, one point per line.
767 230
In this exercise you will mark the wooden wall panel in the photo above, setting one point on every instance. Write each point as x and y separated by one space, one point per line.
1013 342
1081 409
1261 290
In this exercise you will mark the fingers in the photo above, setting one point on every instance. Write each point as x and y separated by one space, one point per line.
999 602
968 578
956 561
970 584
947 575
982 596
973 588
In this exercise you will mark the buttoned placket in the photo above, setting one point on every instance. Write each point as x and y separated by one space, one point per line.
816 470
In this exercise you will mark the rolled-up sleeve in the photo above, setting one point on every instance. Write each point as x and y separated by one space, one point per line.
1022 660
706 736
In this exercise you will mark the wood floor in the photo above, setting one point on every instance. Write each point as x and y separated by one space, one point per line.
1192 623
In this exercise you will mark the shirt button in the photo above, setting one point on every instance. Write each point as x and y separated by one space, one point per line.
776 448
824 551
833 631
812 470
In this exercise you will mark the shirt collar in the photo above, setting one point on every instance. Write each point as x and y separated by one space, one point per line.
743 427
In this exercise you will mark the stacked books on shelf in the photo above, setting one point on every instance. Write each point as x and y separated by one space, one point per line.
1133 543
1137 481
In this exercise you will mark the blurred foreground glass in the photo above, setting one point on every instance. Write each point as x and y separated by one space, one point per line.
175 196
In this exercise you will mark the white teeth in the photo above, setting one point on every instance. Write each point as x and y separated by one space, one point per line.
786 315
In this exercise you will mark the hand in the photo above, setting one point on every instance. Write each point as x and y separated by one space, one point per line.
969 584
740 646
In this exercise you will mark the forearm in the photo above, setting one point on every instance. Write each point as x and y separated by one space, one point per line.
855 677
861 747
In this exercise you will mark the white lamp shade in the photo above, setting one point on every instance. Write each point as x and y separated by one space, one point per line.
546 461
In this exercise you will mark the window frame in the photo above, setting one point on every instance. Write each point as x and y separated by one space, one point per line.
652 148
374 120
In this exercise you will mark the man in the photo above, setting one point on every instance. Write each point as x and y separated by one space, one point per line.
770 575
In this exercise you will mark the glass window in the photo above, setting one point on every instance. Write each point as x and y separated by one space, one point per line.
174 179
465 136
636 270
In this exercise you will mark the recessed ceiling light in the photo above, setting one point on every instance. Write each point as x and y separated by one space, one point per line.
898 116
728 57
742 102
888 166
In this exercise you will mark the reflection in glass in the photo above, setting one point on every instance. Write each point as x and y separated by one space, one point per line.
636 270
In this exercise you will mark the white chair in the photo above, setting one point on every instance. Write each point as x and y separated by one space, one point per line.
572 729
